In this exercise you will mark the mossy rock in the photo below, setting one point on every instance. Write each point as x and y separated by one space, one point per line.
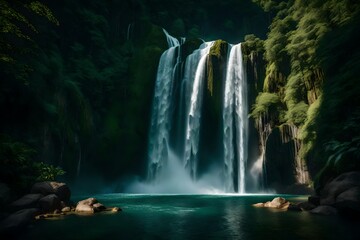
219 49
216 63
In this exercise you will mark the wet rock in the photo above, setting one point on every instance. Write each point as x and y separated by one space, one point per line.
115 209
324 210
84 208
258 205
91 205
27 201
59 189
341 184
284 206
66 209
86 205
49 203
276 203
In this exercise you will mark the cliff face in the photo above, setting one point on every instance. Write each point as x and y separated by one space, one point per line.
277 163
304 54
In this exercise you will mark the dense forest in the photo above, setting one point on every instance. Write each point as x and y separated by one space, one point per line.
77 82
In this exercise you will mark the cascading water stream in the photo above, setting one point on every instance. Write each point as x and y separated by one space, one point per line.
235 120
160 120
194 115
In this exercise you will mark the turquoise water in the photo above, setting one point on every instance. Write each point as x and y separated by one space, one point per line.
193 217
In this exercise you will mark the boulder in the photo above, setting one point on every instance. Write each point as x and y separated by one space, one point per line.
276 203
66 209
49 203
115 209
27 201
88 201
91 205
324 210
340 184
259 204
84 208
86 205
18 220
352 194
46 188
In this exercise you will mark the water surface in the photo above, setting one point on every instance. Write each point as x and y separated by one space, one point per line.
193 217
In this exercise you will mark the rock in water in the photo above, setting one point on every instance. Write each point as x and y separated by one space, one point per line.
92 205
84 208
276 202
115 209
86 205
258 204
66 209
60 189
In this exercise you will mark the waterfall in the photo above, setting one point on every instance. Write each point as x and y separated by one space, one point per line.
160 120
193 120
176 133
235 120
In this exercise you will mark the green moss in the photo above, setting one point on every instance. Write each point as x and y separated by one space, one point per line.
275 80
219 49
217 55
308 130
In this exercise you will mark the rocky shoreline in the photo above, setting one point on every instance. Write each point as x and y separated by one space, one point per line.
341 196
47 200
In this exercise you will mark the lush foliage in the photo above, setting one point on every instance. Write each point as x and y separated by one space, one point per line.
312 62
18 168
17 30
